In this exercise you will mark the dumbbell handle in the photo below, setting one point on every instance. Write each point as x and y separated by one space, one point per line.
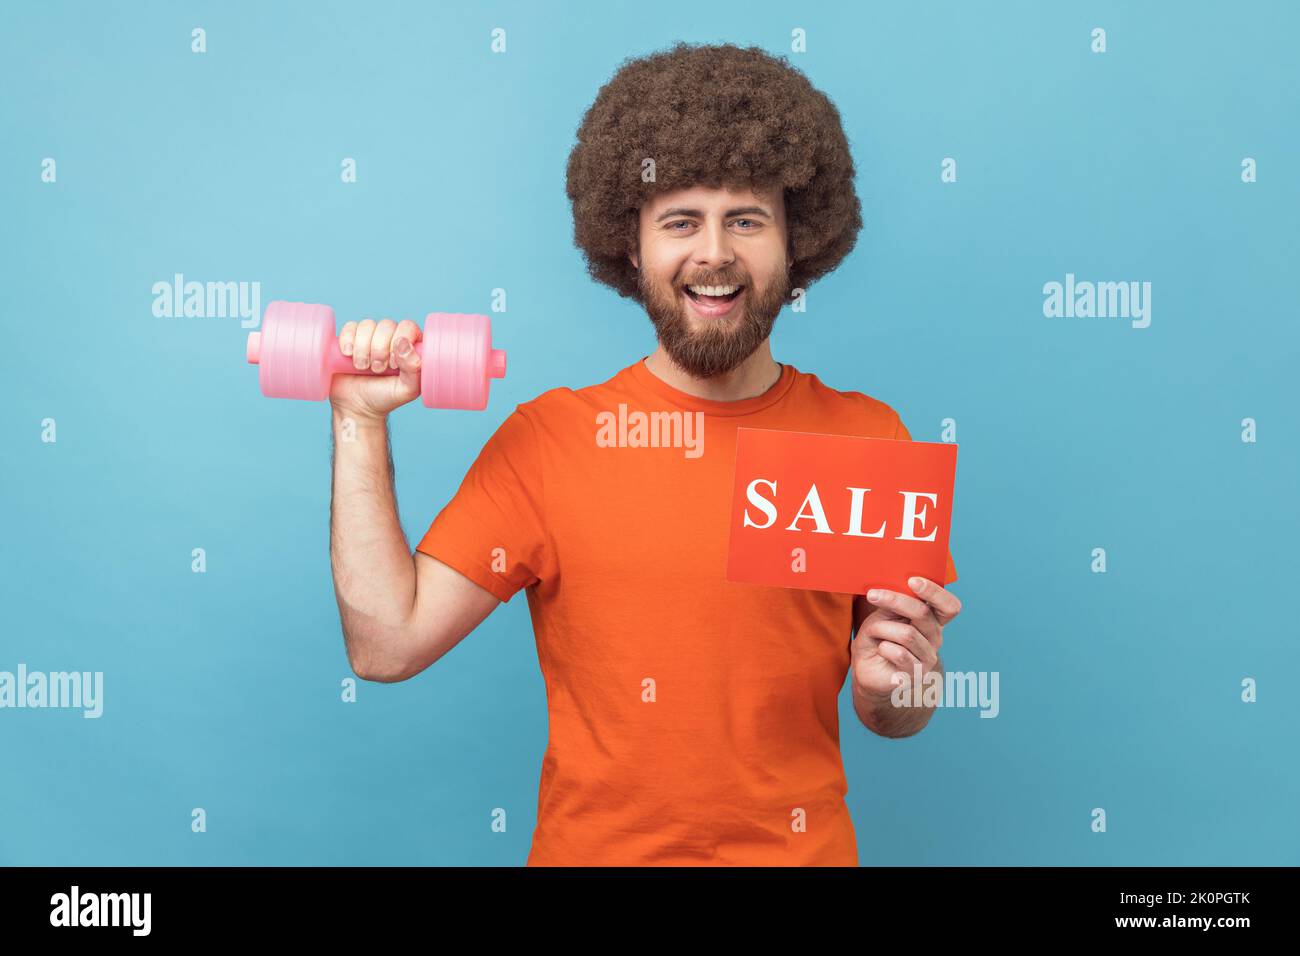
340 364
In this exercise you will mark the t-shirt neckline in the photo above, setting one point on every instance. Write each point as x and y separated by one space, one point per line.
745 406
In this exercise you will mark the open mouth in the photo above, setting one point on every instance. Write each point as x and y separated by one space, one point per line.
713 299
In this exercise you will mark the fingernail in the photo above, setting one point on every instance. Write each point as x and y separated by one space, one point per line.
917 583
347 349
873 596
403 346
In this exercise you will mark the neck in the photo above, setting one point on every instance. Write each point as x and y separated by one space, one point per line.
749 379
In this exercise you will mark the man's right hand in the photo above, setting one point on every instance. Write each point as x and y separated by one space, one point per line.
377 345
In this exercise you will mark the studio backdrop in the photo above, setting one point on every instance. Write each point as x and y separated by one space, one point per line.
1077 262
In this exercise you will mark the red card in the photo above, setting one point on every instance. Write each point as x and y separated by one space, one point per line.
785 534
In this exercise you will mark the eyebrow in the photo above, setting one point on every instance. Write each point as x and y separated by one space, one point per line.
699 214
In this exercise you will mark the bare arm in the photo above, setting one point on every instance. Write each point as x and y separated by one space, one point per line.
400 611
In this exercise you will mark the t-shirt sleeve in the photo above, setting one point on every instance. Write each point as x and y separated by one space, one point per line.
493 530
950 572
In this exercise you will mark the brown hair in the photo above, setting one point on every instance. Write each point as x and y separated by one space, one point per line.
717 115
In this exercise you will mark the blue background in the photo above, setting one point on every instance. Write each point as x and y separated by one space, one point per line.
1118 690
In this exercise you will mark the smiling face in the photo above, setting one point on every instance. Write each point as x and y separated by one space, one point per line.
713 240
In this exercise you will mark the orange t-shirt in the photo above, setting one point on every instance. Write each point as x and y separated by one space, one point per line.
693 721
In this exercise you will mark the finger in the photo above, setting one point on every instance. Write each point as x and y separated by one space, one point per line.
379 344
406 329
361 345
919 612
346 337
885 614
902 634
900 657
408 363
946 605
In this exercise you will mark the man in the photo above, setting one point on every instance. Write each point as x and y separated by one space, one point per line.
693 721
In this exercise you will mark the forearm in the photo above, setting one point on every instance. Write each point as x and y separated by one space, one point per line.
374 573
881 715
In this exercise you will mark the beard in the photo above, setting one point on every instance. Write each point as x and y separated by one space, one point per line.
702 347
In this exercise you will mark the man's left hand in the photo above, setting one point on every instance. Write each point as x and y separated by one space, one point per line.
902 634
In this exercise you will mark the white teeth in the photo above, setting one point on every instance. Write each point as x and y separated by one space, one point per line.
713 289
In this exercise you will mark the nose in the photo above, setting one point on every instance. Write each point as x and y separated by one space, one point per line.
714 249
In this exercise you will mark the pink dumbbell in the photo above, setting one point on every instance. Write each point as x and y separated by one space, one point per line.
297 353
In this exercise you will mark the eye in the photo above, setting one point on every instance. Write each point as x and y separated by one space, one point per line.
746 220
679 222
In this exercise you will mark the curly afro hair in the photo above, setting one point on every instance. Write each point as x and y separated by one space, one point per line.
717 116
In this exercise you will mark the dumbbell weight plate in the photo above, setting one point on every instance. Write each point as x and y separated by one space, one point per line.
458 361
296 338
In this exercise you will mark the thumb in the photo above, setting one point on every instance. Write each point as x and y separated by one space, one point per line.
408 365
